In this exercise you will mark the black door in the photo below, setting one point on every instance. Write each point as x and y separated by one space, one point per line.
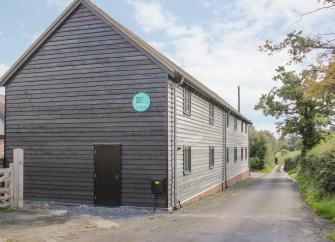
107 179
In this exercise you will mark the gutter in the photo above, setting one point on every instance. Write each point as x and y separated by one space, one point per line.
225 151
175 140
181 77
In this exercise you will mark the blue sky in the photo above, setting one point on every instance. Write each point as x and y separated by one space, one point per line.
214 40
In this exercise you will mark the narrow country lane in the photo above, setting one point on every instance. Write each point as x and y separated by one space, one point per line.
263 209
270 209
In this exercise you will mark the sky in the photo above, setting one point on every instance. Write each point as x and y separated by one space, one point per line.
216 41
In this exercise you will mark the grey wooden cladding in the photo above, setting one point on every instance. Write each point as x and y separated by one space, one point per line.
76 91
199 133
196 131
236 138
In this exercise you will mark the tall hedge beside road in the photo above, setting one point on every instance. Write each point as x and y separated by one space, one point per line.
320 164
263 146
317 179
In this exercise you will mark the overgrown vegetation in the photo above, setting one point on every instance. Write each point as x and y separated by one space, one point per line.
263 147
332 235
304 105
317 179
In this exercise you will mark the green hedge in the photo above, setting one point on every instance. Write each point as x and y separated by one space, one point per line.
322 204
320 162
256 163
291 160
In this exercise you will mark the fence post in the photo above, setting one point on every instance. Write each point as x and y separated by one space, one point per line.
11 170
18 178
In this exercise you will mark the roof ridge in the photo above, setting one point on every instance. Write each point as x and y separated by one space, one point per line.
172 68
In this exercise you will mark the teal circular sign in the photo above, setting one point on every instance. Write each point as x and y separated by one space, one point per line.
141 102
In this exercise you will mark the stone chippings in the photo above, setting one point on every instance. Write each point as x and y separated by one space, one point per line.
111 212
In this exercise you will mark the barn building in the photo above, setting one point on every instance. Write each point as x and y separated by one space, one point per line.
105 119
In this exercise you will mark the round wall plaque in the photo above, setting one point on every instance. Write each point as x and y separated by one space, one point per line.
141 102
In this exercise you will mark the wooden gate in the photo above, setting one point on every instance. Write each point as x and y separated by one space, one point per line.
5 187
11 182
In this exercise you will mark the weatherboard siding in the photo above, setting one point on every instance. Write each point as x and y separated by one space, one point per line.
76 91
236 138
196 131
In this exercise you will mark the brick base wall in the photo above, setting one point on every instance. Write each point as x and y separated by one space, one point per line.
238 178
217 188
203 195
2 153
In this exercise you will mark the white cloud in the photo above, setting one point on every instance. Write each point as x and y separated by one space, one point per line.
3 69
58 3
226 54
157 45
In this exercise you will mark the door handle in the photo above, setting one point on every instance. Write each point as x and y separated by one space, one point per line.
116 177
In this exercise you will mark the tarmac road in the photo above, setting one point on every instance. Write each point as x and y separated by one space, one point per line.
269 209
262 209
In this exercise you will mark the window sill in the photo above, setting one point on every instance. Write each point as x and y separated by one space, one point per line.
187 173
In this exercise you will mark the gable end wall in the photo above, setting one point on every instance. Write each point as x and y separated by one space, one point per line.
76 91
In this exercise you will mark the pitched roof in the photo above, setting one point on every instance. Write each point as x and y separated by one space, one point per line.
172 68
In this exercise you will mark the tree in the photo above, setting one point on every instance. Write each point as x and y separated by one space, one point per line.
322 45
294 142
304 103
307 117
263 146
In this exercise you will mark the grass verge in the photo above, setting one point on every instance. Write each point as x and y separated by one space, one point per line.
268 167
283 155
324 205
332 235
321 205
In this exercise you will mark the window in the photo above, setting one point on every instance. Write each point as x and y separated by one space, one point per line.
242 125
246 153
227 155
241 154
211 113
227 121
187 101
235 154
246 128
187 160
211 157
235 123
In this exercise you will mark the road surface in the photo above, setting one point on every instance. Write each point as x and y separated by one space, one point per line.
270 209
261 209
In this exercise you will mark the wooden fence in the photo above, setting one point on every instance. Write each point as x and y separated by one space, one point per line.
11 182
5 187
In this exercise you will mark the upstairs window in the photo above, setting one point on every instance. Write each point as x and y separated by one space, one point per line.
187 160
227 119
246 128
235 154
211 113
187 101
242 125
227 155
235 123
241 154
211 157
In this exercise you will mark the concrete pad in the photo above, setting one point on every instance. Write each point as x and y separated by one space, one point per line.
28 216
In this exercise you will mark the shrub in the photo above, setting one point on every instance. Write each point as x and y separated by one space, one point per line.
291 162
256 163
320 162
